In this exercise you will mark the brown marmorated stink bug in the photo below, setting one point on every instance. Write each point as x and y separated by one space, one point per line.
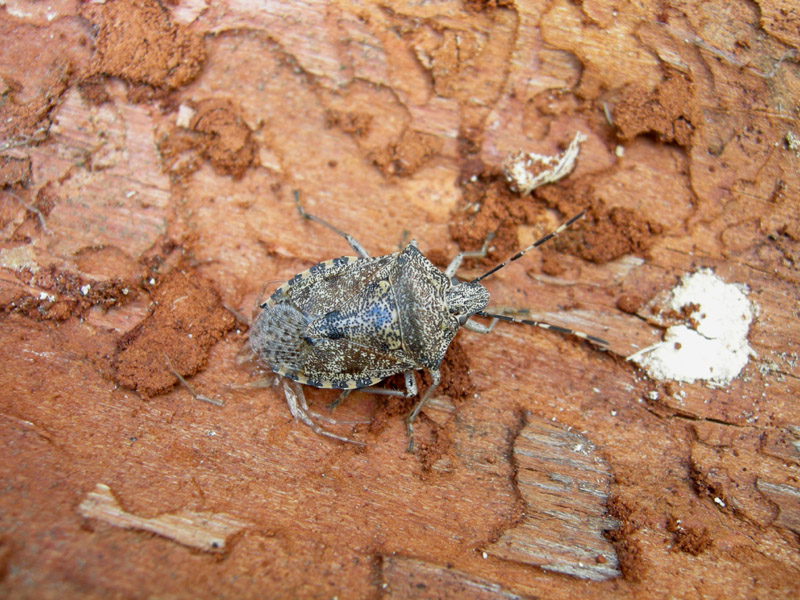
350 322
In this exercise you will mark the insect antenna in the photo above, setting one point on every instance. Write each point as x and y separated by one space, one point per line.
520 254
543 325
535 244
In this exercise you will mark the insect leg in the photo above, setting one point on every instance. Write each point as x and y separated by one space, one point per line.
185 384
479 327
451 269
339 399
299 409
413 415
315 415
383 392
358 248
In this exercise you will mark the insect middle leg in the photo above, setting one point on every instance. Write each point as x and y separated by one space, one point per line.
358 248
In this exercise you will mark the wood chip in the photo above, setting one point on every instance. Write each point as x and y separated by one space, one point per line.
206 531
565 484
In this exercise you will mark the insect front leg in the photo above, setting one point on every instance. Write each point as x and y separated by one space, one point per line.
413 414
480 327
357 248
452 268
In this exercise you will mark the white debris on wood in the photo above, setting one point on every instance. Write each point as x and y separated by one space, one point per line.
19 258
711 344
206 531
269 159
792 141
527 171
185 115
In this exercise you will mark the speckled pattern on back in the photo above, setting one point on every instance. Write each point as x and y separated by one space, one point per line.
349 322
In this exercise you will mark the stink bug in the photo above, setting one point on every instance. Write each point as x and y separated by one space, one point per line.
350 322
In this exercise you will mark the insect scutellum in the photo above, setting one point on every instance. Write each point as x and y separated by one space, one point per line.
350 322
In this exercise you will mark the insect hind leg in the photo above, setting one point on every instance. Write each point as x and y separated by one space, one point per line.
357 248
296 400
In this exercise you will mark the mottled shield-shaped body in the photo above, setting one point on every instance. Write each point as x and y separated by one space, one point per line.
350 322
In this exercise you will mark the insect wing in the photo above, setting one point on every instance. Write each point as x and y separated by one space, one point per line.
338 325
326 285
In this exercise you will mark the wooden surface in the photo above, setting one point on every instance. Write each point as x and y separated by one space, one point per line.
148 155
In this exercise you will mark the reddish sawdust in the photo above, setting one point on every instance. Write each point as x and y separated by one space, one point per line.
458 387
139 43
406 155
38 208
135 41
353 123
604 234
693 538
630 303
28 122
399 156
185 320
14 171
216 133
667 112
489 207
60 293
629 552
431 439
68 295
481 5
455 384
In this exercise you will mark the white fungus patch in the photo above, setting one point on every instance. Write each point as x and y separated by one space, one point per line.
711 345
527 171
